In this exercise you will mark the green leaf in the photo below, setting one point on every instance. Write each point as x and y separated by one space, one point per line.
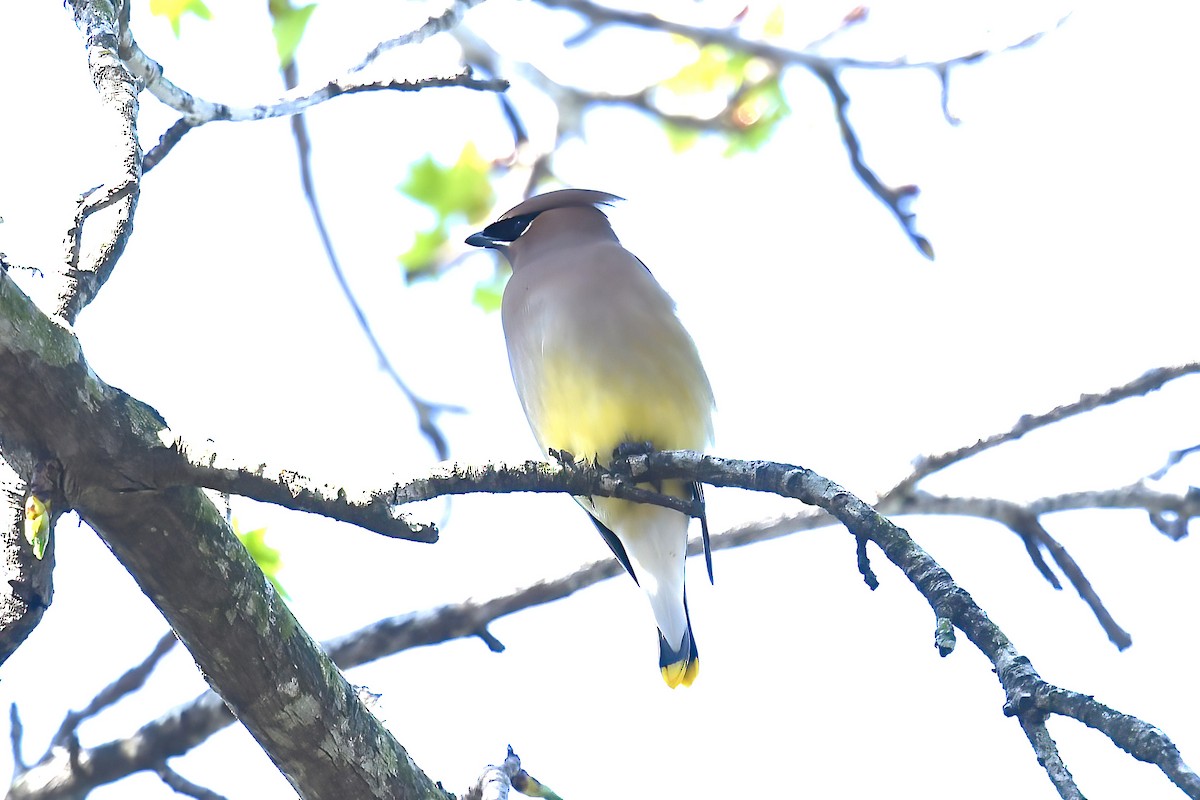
737 78
715 68
773 27
288 23
462 189
268 558
758 114
680 138
489 293
462 192
420 261
174 10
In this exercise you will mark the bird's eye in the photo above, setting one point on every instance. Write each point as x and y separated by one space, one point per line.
508 230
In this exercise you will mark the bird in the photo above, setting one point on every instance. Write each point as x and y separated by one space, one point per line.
600 361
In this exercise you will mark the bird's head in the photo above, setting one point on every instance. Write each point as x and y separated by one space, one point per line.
557 213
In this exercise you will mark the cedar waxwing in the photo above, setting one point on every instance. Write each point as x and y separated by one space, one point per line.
599 359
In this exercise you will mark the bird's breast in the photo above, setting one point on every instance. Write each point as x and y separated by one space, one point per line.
597 370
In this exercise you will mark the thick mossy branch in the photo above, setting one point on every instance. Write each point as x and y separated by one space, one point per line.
178 548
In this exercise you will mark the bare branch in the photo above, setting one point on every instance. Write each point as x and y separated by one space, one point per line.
370 510
1174 458
118 92
856 16
897 200
188 726
729 37
427 412
1136 496
1033 526
302 99
434 25
1151 381
171 137
864 563
191 724
16 731
1034 725
577 478
1024 521
1140 739
826 69
199 111
182 785
177 547
125 685
109 489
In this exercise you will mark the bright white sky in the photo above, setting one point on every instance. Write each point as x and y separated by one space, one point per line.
1062 211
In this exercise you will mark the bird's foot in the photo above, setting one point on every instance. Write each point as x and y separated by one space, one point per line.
566 459
627 449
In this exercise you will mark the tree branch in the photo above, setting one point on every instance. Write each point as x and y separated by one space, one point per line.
16 731
432 26
427 412
1034 725
181 785
127 684
198 111
1140 739
28 582
176 465
1151 381
826 68
118 92
371 508
178 548
189 725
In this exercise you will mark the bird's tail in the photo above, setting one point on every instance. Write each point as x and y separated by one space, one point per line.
651 542
679 665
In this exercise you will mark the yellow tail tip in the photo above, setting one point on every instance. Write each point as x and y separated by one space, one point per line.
681 673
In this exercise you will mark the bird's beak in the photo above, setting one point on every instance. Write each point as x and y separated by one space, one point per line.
481 239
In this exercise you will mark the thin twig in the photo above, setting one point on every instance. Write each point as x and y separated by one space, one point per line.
434 25
127 684
896 200
16 732
864 563
1030 525
826 68
1150 381
200 111
171 137
177 465
182 785
857 16
1046 750
427 412
1174 458
1136 737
